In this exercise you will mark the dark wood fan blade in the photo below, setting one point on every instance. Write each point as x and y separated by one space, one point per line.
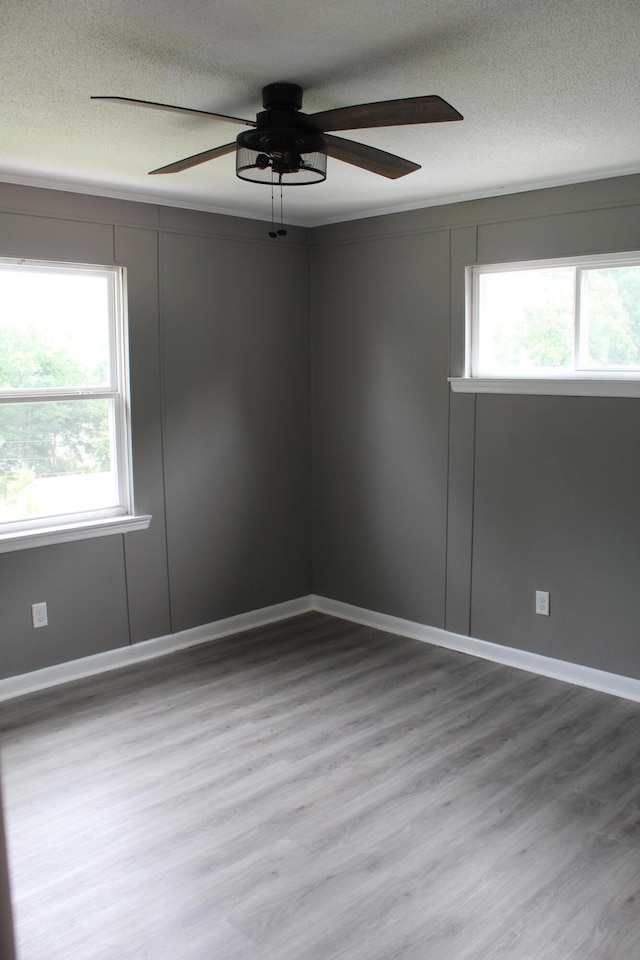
197 158
387 113
168 106
369 158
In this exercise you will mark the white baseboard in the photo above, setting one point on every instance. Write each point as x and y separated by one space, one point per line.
575 673
148 649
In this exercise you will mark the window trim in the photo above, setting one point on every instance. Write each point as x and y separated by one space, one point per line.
552 386
64 533
605 383
42 531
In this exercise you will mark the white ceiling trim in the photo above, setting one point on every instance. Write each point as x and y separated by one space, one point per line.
112 193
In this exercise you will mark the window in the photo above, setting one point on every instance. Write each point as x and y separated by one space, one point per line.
65 465
556 326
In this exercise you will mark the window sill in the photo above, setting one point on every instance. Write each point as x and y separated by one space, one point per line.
560 387
44 536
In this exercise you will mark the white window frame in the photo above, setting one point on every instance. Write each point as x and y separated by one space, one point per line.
41 531
605 383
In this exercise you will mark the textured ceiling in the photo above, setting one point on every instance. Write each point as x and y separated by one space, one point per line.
548 88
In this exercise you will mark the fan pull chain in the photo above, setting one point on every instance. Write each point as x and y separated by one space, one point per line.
272 232
281 232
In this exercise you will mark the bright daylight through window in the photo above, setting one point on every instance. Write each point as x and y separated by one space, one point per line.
567 320
64 424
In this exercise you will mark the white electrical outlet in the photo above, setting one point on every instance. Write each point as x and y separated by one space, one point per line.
542 603
39 615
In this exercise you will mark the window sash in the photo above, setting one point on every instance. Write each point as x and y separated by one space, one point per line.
115 390
580 266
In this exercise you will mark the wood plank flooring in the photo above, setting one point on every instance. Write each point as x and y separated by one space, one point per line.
315 790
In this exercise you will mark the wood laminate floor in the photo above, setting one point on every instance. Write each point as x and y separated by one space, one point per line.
315 790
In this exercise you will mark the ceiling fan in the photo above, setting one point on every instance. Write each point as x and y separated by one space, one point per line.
285 146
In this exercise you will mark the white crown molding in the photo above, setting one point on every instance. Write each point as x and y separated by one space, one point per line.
133 196
121 192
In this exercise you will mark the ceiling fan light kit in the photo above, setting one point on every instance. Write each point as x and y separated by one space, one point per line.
284 162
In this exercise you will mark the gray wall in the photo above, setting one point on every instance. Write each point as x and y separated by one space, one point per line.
237 421
219 343
450 509
442 508
380 423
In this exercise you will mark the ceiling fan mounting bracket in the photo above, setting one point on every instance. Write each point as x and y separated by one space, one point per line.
282 95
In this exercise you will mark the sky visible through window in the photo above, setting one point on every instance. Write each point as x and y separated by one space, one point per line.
65 313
